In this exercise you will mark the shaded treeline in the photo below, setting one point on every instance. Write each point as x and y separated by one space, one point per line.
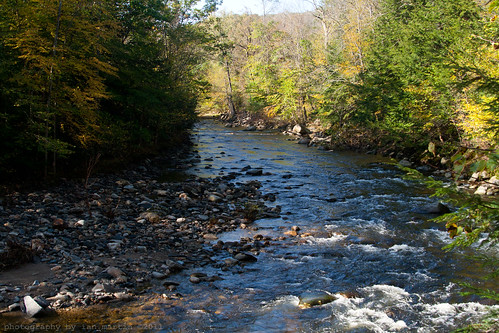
83 78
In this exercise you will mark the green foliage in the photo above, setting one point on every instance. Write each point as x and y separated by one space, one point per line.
408 88
476 221
81 77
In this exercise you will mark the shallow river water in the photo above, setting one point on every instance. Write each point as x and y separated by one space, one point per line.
368 243
371 246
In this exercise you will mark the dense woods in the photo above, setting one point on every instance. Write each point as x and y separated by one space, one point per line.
84 78
412 77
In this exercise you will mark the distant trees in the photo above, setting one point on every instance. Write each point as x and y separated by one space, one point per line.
81 77
274 64
392 73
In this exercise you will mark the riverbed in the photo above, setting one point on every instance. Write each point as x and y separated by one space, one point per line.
350 227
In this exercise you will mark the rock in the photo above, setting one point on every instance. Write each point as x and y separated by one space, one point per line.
59 224
151 217
245 257
141 249
59 297
301 130
250 128
405 163
14 307
123 296
310 299
194 279
254 172
159 276
114 246
435 208
170 283
292 233
494 181
198 277
214 198
482 190
115 272
210 237
304 141
145 205
129 188
103 287
31 307
230 261
161 193
42 302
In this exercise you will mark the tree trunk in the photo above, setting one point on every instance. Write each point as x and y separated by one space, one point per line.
230 102
49 97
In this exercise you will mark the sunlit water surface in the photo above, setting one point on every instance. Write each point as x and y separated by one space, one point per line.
370 245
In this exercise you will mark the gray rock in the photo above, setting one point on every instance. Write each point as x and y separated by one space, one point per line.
42 302
15 307
245 257
435 208
482 190
115 272
214 198
494 181
159 276
250 128
304 141
254 172
114 246
210 237
103 287
405 163
123 296
194 279
298 129
145 205
31 307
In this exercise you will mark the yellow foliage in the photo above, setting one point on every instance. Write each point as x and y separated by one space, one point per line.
475 119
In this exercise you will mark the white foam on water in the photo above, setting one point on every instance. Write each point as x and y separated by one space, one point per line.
406 248
377 321
446 315
288 300
326 241
353 313
290 261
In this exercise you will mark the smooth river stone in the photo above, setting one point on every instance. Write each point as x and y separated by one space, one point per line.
309 299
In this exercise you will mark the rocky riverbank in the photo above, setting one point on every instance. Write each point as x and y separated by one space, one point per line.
122 235
313 134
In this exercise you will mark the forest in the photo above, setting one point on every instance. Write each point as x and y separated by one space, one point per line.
108 82
417 77
81 79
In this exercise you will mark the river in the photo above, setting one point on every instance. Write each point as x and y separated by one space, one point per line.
364 240
370 245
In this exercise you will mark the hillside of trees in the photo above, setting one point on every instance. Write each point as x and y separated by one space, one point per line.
80 79
417 77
